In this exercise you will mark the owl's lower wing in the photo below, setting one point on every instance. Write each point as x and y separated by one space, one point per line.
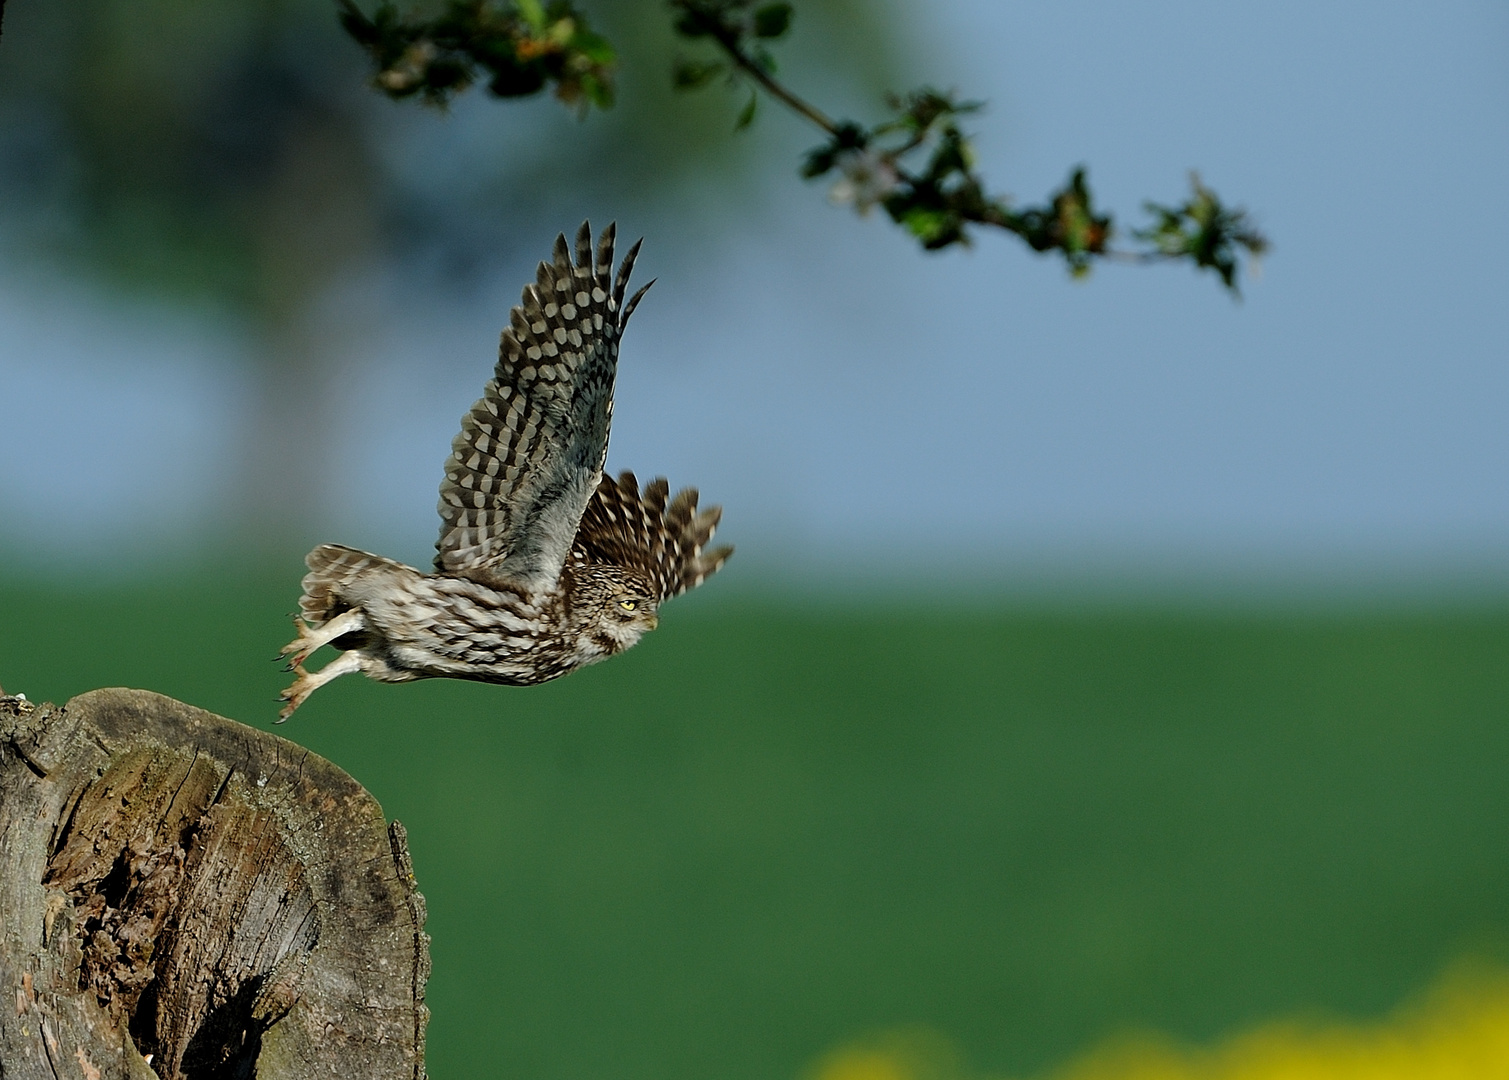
666 543
531 451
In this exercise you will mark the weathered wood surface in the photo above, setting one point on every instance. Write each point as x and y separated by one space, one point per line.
179 885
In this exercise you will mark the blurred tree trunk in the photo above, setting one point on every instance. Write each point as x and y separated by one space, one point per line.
185 897
314 223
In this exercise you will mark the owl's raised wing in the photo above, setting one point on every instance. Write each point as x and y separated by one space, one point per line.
640 532
531 451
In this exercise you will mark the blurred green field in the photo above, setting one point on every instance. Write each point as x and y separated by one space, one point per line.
775 825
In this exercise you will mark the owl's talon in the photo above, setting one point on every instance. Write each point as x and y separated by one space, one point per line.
310 681
294 695
291 656
299 649
312 638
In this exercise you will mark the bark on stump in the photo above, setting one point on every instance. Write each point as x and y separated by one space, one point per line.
177 884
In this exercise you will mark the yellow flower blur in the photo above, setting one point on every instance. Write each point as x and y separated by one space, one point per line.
1457 1031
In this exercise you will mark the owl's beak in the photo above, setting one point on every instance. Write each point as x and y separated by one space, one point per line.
654 620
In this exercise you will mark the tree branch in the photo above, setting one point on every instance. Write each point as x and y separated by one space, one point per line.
917 165
938 200
698 21
520 50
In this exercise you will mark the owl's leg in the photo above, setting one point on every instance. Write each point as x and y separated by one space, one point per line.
312 637
308 682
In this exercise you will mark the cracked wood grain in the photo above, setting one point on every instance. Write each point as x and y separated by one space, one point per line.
181 889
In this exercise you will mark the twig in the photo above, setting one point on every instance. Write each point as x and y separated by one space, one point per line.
730 45
520 49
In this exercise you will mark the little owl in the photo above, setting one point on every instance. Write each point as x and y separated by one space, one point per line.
543 564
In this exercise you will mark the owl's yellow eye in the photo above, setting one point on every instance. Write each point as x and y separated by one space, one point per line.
628 605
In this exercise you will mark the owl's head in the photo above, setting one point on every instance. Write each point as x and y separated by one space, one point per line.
619 606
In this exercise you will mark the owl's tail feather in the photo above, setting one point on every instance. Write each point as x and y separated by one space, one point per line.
331 568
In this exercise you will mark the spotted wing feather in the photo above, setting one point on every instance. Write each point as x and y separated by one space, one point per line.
663 541
531 451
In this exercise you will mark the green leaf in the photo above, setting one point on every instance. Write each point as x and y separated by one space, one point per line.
850 136
361 28
692 25
772 20
936 228
1204 231
747 114
598 92
819 161
594 47
533 12
692 74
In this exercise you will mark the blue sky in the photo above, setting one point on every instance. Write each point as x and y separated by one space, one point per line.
849 399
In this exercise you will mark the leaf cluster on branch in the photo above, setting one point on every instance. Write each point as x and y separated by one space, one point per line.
918 164
519 48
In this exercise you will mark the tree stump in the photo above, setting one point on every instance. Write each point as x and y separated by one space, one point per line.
185 897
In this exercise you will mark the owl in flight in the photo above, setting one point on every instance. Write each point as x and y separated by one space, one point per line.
543 563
